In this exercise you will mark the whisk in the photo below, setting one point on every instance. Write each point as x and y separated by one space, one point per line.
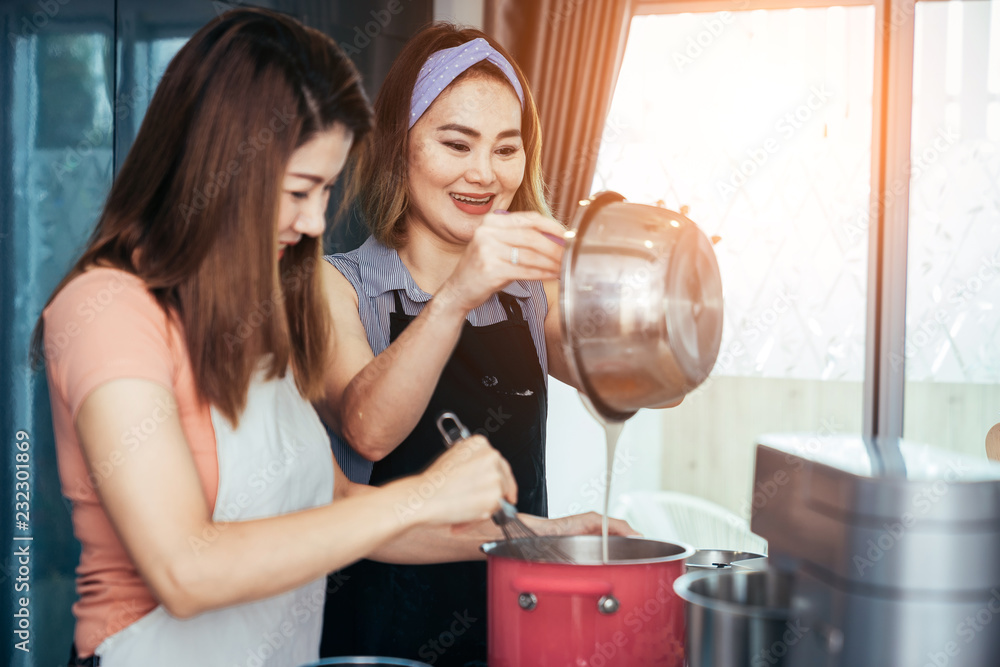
524 543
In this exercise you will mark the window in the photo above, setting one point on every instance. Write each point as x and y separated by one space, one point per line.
758 125
951 355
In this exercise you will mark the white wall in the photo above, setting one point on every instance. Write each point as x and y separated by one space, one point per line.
463 12
576 460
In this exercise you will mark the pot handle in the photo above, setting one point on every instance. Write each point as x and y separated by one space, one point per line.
562 586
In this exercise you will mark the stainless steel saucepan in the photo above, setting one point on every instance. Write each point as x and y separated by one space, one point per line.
641 300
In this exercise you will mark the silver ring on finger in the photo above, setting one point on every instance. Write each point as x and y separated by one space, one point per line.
513 255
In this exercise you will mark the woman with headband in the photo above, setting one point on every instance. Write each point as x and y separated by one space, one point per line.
205 496
448 306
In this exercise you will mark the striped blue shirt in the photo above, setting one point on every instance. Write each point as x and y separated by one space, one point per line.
376 271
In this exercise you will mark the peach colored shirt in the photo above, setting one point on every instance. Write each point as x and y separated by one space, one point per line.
105 325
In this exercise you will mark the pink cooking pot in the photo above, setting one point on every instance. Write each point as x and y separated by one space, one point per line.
586 613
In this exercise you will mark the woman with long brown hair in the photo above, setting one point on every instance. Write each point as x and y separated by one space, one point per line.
183 350
444 308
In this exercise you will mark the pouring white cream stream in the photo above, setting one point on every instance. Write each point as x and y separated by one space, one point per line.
612 431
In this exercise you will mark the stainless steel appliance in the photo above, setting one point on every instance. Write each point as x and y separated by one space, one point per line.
894 547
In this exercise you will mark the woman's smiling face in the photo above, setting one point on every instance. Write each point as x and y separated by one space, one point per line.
466 158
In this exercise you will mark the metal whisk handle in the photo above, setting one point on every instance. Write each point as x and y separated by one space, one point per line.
526 544
507 512
456 432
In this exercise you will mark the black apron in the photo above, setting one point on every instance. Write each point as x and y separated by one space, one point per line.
437 613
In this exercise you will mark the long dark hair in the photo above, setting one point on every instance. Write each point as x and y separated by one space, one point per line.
193 211
378 181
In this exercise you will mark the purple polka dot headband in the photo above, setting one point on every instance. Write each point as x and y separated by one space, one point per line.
445 65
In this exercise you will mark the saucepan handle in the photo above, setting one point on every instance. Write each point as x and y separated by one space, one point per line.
526 588
561 586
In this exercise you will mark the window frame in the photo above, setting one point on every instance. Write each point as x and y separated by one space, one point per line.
892 101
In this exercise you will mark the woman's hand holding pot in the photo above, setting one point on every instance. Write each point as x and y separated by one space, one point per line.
505 248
